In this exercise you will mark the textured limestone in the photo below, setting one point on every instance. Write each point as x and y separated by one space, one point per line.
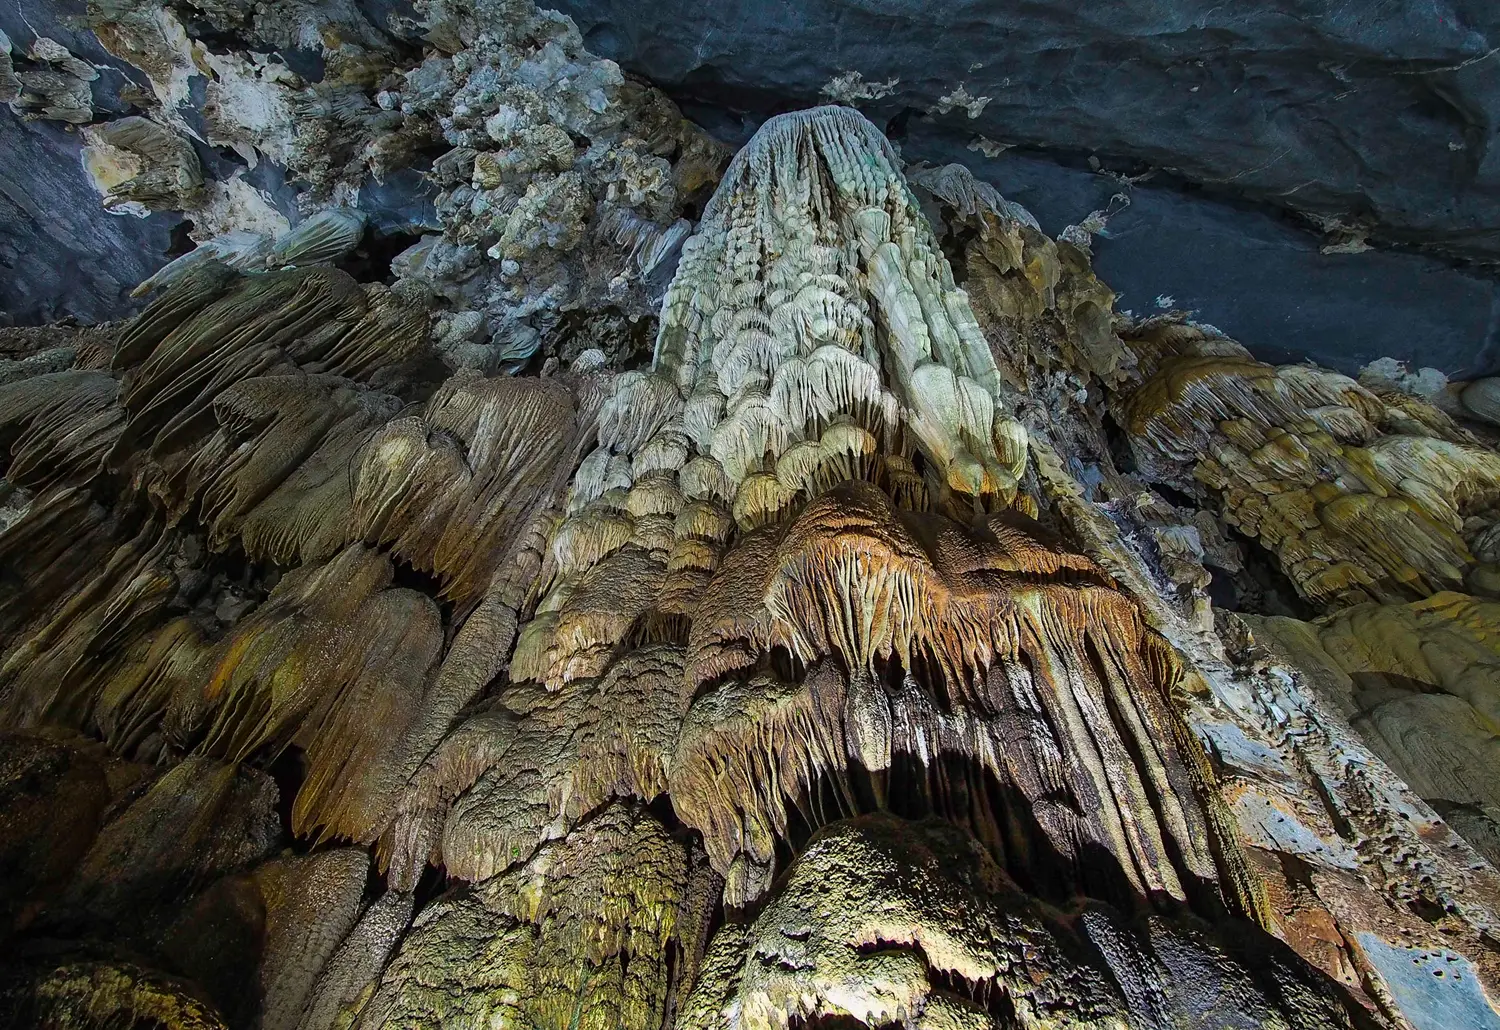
1359 499
1421 684
882 921
578 936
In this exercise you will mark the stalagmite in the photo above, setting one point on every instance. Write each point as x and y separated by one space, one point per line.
353 971
887 922
391 635
311 903
576 937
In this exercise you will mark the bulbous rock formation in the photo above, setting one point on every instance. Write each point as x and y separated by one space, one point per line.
583 934
888 922
826 671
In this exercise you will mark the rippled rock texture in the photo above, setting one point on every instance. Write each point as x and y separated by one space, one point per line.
675 590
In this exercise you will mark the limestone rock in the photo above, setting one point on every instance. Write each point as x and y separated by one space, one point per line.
1419 682
1360 499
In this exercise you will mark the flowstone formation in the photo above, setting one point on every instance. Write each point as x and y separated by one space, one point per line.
1359 499
1419 682
853 660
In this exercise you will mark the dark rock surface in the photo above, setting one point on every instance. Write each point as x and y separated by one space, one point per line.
1254 115
1252 273
400 205
61 253
66 22
1388 110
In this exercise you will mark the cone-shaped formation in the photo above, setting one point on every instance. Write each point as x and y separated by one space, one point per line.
833 635
813 281
285 467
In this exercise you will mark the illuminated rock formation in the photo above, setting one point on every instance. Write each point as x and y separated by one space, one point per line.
1421 684
1024 680
889 922
581 935
1359 499
827 670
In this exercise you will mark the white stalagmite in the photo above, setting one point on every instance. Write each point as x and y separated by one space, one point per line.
814 270
813 334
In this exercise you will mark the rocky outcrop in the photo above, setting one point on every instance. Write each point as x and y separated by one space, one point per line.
62 254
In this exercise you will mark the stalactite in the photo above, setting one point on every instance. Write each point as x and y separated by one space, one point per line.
997 623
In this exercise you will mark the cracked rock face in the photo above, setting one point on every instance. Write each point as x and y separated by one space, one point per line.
681 591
